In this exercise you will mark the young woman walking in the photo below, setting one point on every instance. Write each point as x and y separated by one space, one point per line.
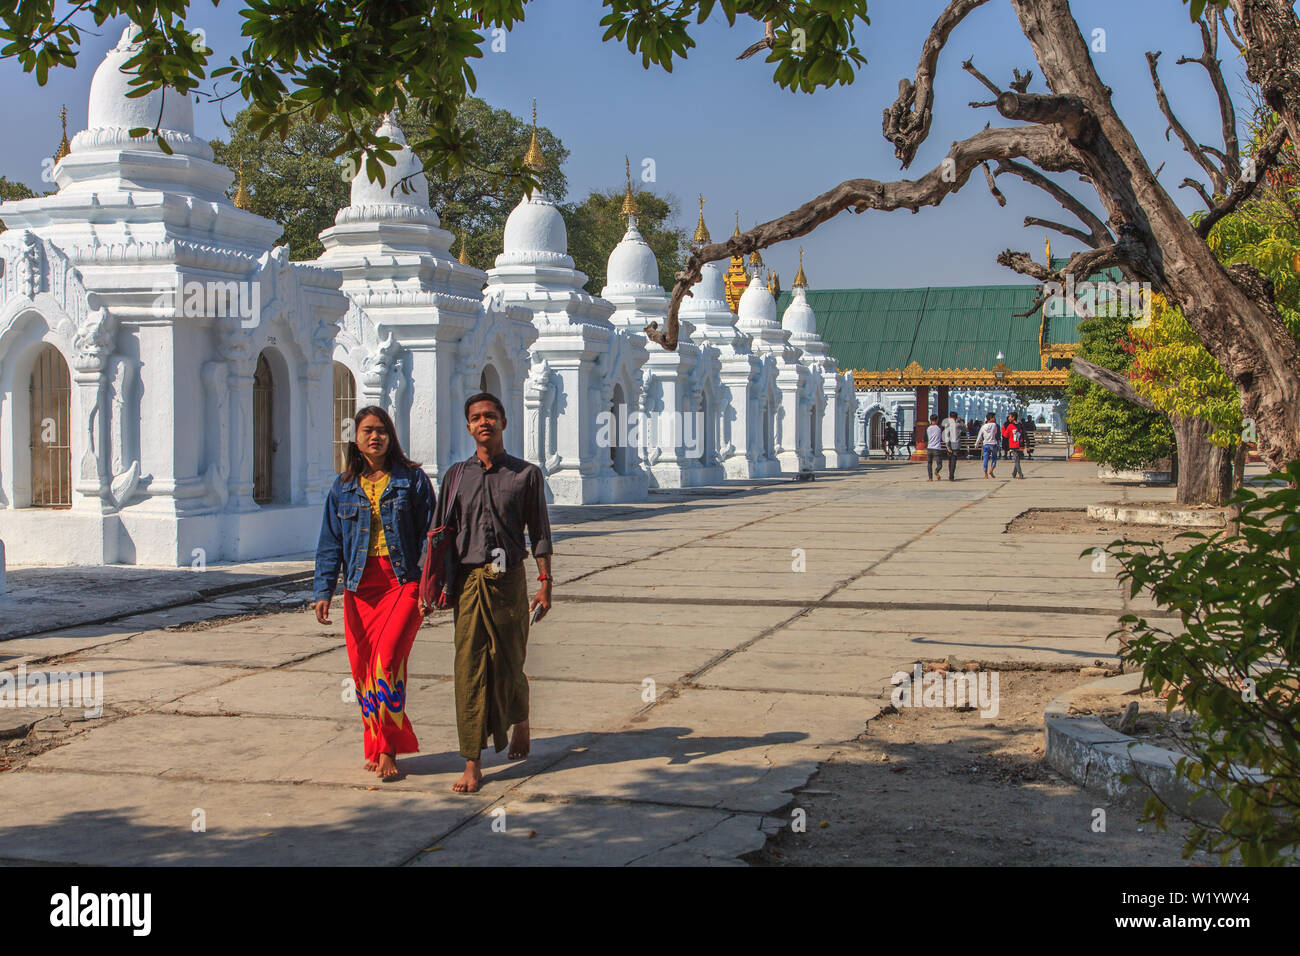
376 518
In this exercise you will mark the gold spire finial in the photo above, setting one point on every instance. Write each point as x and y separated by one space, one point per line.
629 201
701 230
737 232
533 159
242 200
800 280
755 259
773 284
64 147
463 258
1047 250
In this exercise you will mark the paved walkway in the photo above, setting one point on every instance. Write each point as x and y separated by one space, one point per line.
688 679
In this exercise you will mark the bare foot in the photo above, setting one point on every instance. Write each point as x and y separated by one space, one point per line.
471 779
520 742
370 765
386 767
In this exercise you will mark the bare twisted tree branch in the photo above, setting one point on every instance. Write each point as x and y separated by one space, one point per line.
906 123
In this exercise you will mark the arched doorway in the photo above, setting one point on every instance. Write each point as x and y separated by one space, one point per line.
814 440
51 430
617 446
345 407
263 431
876 431
489 381
704 433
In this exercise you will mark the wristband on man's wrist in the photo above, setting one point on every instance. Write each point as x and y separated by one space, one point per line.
543 577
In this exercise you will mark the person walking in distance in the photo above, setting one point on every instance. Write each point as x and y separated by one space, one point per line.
989 439
497 498
1015 438
891 440
376 516
934 451
952 443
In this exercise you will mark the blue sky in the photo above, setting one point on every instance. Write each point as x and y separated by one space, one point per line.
722 128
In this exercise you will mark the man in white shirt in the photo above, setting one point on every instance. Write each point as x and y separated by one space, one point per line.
952 443
934 450
990 439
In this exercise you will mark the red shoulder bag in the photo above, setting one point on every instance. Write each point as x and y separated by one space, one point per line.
440 563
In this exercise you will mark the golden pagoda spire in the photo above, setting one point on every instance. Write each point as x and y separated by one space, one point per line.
755 260
241 194
463 258
701 230
64 147
533 159
629 201
736 278
800 280
1047 251
773 284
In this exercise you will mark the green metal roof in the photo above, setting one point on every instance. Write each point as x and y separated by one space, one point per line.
940 327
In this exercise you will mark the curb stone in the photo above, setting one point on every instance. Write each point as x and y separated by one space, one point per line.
1092 755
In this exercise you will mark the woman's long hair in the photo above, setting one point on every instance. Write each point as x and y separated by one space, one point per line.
356 462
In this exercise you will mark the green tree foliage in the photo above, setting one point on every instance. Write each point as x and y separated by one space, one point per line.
1235 665
596 226
13 190
1110 429
301 184
350 61
1171 366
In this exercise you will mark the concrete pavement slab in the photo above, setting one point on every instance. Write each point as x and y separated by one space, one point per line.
546 832
127 820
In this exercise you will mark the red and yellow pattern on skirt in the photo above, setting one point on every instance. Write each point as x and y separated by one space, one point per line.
380 620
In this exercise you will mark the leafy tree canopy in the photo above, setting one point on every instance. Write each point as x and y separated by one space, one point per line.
13 190
301 184
352 60
596 226
1110 429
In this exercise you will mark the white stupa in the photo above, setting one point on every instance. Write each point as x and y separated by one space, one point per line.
583 370
675 443
418 339
833 403
784 384
730 397
176 367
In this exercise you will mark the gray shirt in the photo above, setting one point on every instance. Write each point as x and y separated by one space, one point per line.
494 506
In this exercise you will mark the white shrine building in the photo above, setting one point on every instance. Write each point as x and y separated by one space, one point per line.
677 448
831 404
164 373
785 397
419 337
731 400
583 369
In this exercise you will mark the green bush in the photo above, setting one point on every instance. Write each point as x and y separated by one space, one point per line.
1236 667
1110 429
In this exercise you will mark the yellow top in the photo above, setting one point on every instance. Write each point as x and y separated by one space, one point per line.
374 490
701 230
629 201
241 194
799 278
533 159
64 148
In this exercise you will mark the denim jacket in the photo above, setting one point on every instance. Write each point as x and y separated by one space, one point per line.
406 507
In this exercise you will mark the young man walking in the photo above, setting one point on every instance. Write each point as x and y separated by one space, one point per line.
934 450
989 439
952 442
891 441
1015 439
494 498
